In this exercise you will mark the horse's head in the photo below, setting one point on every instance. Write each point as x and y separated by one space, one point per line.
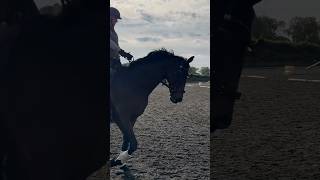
176 76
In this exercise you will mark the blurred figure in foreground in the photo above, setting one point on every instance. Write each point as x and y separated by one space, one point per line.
232 21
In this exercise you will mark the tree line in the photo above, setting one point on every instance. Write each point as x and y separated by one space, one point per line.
278 43
297 30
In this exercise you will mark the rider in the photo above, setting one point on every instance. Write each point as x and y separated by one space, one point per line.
115 50
115 65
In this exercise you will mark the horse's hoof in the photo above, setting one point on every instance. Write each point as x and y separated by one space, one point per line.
123 156
124 167
114 162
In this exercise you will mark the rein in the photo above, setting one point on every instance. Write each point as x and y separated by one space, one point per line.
132 60
163 82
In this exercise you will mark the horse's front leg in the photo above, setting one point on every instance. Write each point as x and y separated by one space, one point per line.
131 138
129 144
133 145
124 155
125 143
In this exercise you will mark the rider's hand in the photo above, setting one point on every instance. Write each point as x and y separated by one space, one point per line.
125 55
129 56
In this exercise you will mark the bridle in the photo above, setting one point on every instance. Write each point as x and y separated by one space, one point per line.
171 88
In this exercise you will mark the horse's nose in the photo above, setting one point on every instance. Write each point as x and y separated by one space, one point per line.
174 100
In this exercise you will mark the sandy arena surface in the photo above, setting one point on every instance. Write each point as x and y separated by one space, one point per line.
275 132
173 139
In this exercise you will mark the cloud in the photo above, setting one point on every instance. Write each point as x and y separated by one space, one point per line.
185 14
173 24
148 39
194 34
147 17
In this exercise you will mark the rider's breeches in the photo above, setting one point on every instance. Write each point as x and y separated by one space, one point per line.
228 56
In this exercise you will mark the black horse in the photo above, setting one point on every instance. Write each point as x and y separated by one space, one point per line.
131 87
54 96
232 21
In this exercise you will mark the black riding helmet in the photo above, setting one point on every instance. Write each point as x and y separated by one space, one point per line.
115 12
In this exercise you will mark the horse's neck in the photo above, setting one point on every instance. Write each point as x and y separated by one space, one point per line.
149 76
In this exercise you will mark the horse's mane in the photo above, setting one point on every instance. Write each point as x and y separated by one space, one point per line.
156 55
162 52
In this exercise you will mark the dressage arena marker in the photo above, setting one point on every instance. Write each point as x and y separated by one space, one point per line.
258 77
289 70
313 65
304 80
200 84
205 85
289 79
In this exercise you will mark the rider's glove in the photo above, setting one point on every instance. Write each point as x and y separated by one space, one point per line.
125 55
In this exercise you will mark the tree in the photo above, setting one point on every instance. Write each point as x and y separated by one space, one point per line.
304 29
205 71
267 28
193 70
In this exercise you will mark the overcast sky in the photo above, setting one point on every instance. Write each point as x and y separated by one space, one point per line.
147 25
184 27
286 9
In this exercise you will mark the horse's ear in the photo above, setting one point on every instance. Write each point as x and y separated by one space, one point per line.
190 59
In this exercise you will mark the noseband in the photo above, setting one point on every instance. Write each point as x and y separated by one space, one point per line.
171 88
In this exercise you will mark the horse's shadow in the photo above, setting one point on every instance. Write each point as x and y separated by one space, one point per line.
126 173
